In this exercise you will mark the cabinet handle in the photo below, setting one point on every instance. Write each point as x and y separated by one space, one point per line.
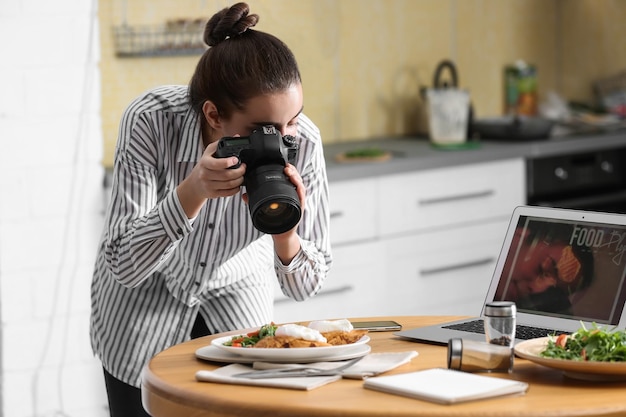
447 199
334 214
463 265
323 293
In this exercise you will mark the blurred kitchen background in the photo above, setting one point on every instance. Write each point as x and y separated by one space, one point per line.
67 81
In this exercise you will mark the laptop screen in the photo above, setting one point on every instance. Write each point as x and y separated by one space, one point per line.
566 269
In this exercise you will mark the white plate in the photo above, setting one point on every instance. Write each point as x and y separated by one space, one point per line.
215 354
589 370
320 353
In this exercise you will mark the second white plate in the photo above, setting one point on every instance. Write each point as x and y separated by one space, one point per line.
588 370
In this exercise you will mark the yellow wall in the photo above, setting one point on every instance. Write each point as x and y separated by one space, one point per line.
364 61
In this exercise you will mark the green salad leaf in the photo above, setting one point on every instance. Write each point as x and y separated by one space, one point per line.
595 344
250 339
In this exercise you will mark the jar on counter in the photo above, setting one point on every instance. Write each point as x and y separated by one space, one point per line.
499 321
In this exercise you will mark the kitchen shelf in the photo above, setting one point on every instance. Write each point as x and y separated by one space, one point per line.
179 37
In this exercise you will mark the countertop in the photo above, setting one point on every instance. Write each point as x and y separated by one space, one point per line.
415 153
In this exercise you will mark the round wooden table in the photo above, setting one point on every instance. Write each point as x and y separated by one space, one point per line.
170 389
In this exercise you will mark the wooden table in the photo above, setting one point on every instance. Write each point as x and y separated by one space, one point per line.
170 390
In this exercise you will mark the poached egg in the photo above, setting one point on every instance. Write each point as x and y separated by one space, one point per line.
324 326
300 332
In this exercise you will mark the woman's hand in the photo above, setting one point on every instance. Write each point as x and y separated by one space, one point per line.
287 245
294 176
210 178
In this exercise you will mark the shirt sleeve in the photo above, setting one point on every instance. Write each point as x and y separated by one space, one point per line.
144 224
304 276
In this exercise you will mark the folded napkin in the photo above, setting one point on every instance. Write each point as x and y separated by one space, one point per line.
371 364
225 374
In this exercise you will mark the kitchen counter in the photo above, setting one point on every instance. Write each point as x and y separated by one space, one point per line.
414 153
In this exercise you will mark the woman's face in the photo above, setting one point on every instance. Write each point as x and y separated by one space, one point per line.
280 110
541 265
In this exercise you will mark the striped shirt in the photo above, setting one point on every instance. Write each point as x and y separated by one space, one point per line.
156 269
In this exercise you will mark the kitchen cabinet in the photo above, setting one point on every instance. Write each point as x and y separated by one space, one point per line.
356 280
357 274
419 242
445 197
353 211
445 272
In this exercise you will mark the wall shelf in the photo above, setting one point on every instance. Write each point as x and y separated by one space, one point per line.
174 38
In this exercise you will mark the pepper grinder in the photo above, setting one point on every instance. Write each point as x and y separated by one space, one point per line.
500 323
473 356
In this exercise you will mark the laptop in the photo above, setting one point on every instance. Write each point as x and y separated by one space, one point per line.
561 267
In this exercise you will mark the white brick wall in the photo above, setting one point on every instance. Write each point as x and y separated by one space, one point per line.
50 207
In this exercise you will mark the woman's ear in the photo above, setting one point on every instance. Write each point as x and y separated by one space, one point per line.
211 114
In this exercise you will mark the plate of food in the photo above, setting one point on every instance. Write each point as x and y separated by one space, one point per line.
595 354
297 343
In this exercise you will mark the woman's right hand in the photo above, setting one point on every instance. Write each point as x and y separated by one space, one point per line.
211 177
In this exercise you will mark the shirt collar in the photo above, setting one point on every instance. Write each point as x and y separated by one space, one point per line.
191 147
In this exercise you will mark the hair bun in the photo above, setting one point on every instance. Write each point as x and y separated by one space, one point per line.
229 22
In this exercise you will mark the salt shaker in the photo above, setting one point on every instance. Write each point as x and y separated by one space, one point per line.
473 356
500 323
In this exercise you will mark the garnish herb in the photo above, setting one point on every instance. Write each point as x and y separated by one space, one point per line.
365 153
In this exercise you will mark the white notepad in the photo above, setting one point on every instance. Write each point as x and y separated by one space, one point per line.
445 386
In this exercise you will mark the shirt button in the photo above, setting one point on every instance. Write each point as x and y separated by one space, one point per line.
179 231
203 264
211 225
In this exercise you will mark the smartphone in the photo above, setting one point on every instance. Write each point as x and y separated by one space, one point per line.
377 325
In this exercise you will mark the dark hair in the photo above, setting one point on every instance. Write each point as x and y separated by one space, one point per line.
240 63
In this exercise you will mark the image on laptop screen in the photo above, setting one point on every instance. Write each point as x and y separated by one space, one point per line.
566 269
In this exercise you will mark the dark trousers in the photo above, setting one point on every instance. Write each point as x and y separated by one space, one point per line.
124 399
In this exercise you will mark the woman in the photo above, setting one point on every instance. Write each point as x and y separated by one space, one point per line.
179 256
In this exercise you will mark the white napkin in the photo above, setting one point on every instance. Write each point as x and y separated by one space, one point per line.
224 375
378 363
371 364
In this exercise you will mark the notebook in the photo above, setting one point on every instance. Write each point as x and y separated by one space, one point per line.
561 267
445 386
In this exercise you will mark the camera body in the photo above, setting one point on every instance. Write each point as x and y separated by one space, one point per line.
272 198
264 146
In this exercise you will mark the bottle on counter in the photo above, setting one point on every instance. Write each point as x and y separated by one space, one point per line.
520 89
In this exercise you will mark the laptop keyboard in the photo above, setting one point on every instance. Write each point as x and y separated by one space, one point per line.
521 332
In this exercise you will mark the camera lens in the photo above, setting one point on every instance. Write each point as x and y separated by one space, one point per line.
272 199
274 209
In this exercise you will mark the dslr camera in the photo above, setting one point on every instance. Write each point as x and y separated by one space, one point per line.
272 198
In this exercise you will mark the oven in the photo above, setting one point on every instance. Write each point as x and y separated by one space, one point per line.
593 181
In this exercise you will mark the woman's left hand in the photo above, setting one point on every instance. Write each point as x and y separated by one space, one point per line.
294 176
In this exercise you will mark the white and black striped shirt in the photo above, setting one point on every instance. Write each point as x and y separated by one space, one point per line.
156 268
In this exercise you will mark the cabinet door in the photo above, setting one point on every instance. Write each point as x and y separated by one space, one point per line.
352 287
445 272
436 198
353 210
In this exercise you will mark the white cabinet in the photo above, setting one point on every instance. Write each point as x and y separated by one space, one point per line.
353 210
356 278
422 242
443 272
450 196
357 273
